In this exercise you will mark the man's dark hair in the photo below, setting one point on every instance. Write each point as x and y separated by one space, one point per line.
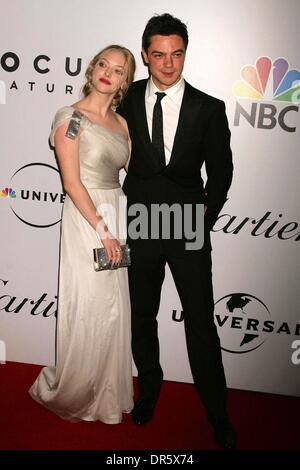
164 25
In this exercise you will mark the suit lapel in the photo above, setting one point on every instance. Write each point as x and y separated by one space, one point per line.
187 115
140 113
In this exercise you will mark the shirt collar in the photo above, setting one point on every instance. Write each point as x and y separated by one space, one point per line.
175 92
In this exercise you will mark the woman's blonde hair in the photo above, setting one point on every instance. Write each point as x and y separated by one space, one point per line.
130 62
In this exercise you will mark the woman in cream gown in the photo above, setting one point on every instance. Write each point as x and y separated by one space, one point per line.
92 379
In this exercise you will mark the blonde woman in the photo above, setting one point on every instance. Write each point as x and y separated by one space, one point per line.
92 379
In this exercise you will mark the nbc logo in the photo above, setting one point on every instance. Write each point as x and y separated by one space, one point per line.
268 81
8 192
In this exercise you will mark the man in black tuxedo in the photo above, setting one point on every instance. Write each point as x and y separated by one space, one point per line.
174 129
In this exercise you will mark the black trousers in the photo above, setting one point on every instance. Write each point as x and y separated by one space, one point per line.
193 279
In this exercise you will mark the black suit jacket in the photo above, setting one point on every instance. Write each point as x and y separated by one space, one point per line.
202 136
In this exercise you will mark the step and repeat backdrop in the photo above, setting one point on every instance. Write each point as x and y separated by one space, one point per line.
246 53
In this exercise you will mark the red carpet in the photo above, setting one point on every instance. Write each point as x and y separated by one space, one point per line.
263 421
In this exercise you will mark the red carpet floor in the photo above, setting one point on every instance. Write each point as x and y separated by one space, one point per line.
263 421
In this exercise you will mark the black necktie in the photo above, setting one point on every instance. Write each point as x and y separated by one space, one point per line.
157 128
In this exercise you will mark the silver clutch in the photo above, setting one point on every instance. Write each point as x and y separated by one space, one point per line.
101 261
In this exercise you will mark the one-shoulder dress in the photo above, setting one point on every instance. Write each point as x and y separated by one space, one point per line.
92 379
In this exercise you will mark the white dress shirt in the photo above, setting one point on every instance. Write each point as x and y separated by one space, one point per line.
171 105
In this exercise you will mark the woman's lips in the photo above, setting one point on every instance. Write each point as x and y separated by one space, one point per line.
103 80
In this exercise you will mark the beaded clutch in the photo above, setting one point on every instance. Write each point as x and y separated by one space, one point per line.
102 263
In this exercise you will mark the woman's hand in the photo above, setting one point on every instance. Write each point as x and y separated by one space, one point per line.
110 243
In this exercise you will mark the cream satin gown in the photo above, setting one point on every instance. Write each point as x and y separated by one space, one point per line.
92 379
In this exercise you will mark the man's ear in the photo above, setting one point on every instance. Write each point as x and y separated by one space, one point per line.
145 57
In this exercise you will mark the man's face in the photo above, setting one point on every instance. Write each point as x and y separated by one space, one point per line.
165 58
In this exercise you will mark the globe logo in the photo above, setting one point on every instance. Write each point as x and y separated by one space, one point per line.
242 322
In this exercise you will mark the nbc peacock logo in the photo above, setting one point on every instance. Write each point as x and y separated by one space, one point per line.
8 193
272 90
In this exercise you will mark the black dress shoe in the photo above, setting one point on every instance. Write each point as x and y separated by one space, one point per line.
143 410
225 435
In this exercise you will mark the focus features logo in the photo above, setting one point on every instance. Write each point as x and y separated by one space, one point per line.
42 67
244 323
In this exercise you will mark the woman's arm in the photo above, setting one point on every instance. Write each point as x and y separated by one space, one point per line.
67 154
67 151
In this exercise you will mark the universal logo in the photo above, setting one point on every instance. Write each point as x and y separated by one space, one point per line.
244 323
35 195
268 81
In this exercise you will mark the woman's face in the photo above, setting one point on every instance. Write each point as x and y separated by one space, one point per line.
110 72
